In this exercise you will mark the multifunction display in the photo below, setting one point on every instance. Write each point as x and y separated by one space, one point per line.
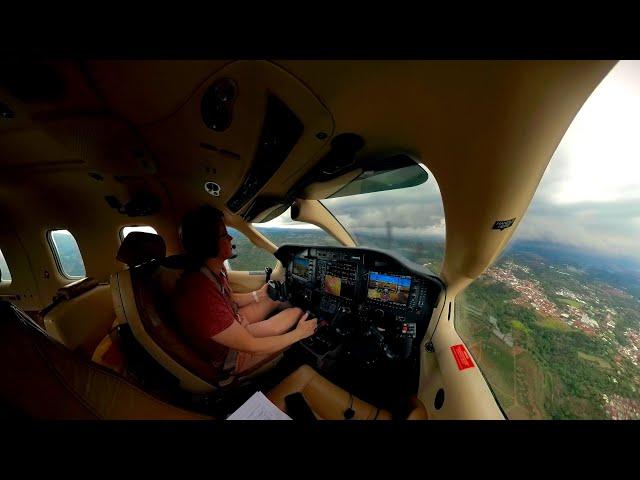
389 288
301 268
339 279
332 285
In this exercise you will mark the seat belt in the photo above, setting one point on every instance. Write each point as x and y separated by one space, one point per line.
230 360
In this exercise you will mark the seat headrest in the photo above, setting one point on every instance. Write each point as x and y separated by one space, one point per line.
141 247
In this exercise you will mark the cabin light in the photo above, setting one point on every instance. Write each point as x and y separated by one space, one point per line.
5 111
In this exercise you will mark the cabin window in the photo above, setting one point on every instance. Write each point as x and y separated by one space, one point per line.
249 257
5 274
554 323
124 231
67 254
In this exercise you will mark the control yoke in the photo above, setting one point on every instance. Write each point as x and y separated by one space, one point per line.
276 290
268 271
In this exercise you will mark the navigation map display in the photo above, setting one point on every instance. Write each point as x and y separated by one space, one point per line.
301 268
332 285
389 288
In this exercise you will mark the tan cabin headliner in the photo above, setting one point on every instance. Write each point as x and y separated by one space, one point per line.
485 129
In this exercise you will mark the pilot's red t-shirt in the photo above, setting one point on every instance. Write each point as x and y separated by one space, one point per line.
203 311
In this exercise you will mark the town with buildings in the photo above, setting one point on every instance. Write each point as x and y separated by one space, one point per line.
579 307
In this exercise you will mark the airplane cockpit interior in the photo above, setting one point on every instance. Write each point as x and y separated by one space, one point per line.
91 148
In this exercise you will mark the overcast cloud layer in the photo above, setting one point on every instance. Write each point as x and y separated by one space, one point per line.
589 197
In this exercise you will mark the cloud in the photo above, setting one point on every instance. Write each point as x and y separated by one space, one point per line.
608 228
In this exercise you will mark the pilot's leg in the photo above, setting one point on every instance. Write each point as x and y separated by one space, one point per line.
276 325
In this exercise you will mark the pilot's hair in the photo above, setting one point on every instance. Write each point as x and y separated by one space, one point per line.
200 232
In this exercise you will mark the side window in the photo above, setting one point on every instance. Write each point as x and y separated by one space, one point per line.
67 254
554 323
249 257
5 274
136 228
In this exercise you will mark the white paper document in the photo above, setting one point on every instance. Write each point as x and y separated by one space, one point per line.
258 407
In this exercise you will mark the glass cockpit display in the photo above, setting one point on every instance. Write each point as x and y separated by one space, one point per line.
332 285
301 268
388 288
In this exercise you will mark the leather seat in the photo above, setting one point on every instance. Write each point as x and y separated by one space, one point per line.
43 379
142 298
326 400
80 315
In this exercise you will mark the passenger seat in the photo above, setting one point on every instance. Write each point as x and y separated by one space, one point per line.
80 315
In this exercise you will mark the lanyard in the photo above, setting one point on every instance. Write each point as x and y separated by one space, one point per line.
206 271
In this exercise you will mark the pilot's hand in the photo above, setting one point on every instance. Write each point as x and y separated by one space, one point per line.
262 291
305 327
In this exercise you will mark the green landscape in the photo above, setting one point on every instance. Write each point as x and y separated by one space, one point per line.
554 368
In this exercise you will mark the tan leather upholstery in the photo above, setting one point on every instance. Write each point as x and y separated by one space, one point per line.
419 412
142 298
82 318
326 400
43 379
109 354
133 295
75 289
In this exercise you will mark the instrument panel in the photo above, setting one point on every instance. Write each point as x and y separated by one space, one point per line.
372 285
373 308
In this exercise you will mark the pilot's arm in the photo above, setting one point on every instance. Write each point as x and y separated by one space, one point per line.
243 299
238 338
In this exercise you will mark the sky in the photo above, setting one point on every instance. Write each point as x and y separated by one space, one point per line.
589 197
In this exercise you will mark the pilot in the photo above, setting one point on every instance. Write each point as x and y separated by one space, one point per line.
231 329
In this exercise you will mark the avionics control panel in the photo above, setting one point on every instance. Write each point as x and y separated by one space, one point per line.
377 286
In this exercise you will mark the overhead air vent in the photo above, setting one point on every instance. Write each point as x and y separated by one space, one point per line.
281 130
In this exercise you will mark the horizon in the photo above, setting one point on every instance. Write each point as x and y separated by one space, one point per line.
618 260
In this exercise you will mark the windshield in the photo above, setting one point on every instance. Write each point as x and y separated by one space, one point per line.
409 221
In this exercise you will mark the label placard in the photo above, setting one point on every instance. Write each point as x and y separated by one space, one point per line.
502 224
463 359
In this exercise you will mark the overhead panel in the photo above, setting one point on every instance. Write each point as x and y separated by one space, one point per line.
267 110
